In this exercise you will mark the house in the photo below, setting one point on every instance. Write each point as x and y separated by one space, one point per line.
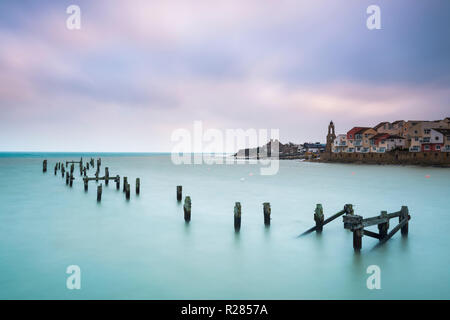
362 139
446 139
376 140
434 140
340 143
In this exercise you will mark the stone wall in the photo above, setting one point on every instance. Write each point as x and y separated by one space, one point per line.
392 157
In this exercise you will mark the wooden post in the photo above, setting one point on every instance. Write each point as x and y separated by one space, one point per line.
85 180
187 209
96 175
404 214
125 181
67 178
84 171
62 171
99 193
44 166
72 168
127 191
357 239
319 217
348 208
117 182
87 165
237 217
106 175
138 185
179 193
71 180
266 211
383 227
56 168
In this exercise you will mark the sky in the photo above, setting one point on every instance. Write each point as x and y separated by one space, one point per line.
138 70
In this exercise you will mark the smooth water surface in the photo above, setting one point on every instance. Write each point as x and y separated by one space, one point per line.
143 249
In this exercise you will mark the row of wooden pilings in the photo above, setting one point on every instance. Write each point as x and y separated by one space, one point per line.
237 210
69 175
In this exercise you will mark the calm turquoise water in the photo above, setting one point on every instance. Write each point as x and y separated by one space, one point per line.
142 249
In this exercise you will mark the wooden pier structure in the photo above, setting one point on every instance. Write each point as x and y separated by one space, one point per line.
357 225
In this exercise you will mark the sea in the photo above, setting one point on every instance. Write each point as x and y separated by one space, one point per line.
143 249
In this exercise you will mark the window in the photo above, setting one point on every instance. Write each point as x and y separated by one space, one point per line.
436 138
415 131
416 138
427 147
438 147
426 131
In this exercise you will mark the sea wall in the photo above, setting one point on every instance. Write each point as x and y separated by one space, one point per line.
393 157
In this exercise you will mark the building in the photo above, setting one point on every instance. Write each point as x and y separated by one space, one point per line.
340 143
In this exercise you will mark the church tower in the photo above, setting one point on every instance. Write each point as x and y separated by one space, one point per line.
331 136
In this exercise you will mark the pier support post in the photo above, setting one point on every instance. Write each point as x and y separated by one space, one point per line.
127 191
383 227
187 209
106 175
404 214
138 185
44 166
266 211
179 193
117 182
71 180
85 181
99 193
67 178
62 171
72 168
125 181
56 168
357 239
237 217
349 208
319 217
84 171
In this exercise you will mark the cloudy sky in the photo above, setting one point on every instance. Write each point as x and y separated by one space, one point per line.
138 70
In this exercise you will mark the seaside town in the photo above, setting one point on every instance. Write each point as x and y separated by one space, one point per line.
406 136
412 135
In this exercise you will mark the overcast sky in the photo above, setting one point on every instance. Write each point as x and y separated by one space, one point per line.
138 70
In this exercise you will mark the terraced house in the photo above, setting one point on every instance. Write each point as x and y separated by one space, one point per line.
411 135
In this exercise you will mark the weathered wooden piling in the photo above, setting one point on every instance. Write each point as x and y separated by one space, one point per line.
125 181
87 165
44 166
71 178
187 209
56 168
96 175
85 180
106 175
138 185
179 193
357 239
63 170
72 168
117 182
404 215
99 193
319 217
237 216
383 227
127 191
67 177
84 172
266 211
